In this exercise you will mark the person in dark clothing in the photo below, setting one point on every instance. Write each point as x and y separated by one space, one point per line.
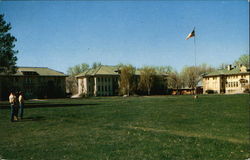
21 105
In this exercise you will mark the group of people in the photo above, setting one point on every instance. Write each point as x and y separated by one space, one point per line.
16 105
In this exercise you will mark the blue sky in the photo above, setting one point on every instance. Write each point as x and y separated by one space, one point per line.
61 34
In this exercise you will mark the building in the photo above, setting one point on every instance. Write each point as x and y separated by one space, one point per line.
104 81
34 82
229 81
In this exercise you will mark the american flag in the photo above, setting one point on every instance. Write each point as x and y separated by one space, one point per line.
192 34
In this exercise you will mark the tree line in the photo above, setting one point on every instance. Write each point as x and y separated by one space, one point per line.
148 78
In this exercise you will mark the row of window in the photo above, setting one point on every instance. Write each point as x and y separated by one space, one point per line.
31 80
103 88
228 77
214 78
235 77
232 84
106 79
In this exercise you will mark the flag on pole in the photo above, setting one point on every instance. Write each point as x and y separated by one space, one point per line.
190 35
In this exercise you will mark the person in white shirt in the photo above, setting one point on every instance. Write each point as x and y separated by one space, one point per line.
12 100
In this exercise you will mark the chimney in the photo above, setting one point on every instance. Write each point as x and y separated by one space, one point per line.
229 67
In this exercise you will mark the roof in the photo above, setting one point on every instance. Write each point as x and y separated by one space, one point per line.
37 71
101 70
233 71
105 70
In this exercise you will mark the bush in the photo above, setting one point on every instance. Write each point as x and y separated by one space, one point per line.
247 90
210 91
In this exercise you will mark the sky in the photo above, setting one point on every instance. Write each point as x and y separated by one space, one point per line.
61 34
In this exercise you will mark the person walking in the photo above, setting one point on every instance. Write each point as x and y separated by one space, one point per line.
12 100
21 105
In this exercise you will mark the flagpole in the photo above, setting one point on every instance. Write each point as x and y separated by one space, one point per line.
195 68
193 34
194 49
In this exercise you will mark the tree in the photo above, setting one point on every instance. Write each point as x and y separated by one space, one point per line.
120 65
164 69
193 74
147 78
71 81
243 60
96 64
204 68
126 79
7 53
223 66
190 76
175 80
77 69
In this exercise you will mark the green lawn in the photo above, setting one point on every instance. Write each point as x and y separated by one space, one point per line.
213 127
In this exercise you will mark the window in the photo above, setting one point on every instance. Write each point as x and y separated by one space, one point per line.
29 73
98 88
236 84
106 88
102 88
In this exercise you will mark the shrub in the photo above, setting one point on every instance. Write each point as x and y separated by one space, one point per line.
247 90
210 91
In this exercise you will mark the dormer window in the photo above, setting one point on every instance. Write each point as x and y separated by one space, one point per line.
29 73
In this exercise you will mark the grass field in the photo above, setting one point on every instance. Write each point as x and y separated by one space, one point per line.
213 127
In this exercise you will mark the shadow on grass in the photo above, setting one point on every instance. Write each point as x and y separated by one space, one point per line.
47 105
37 118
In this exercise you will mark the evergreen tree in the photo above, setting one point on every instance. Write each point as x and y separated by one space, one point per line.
7 53
243 60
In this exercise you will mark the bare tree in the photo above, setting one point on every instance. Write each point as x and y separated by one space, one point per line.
175 80
223 66
126 79
190 76
147 76
71 85
96 64
204 69
164 69
71 81
193 74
